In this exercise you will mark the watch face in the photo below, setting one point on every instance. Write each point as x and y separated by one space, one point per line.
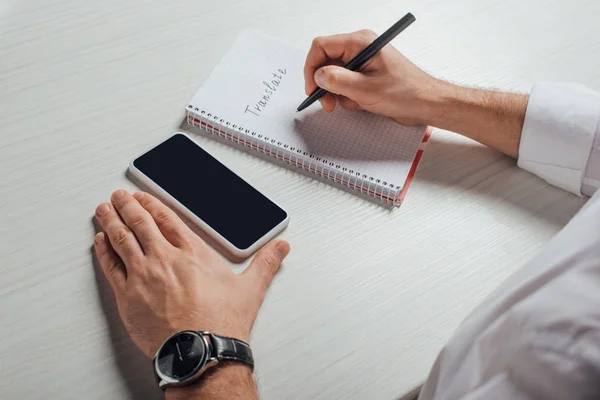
181 355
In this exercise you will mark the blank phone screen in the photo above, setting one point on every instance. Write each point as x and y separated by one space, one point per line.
220 198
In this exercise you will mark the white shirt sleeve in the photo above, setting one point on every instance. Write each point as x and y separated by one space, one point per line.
559 141
538 335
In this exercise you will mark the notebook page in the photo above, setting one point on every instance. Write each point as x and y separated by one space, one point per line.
258 85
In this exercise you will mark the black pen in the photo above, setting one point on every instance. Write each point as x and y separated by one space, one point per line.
365 55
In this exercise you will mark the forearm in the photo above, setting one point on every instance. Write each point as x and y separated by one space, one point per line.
227 382
491 118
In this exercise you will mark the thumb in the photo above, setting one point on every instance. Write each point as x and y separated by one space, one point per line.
266 263
339 80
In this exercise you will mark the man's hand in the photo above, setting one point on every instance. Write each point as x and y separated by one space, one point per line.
388 84
166 279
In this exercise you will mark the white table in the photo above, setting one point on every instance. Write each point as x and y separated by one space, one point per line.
367 297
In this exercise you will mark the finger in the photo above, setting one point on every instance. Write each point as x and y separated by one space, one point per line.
348 103
328 102
341 81
110 263
121 238
169 223
266 263
324 50
138 220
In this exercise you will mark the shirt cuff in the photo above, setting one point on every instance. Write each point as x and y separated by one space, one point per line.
558 132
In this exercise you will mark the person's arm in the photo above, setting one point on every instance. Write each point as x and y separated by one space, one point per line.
553 132
166 279
389 84
494 119
230 382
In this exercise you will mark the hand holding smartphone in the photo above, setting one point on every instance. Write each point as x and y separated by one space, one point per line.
213 197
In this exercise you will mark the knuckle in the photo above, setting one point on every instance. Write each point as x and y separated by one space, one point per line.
163 216
138 220
146 200
112 267
137 271
199 248
270 261
332 76
136 289
119 202
317 42
121 236
367 34
162 256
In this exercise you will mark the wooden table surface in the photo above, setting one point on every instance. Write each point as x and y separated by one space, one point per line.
368 296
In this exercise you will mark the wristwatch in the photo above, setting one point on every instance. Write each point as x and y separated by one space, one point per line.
186 355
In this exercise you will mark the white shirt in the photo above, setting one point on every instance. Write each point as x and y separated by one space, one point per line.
538 335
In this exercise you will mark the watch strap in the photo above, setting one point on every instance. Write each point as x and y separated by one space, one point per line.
230 349
221 348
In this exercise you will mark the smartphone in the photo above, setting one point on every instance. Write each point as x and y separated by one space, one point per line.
213 197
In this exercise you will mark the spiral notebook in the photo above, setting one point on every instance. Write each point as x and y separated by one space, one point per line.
251 98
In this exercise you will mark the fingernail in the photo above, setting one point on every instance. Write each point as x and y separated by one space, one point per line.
99 238
283 249
138 195
320 78
118 194
102 209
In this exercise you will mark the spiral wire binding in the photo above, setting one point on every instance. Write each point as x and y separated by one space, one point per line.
283 152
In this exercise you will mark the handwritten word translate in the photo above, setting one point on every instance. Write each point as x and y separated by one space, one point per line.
270 88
